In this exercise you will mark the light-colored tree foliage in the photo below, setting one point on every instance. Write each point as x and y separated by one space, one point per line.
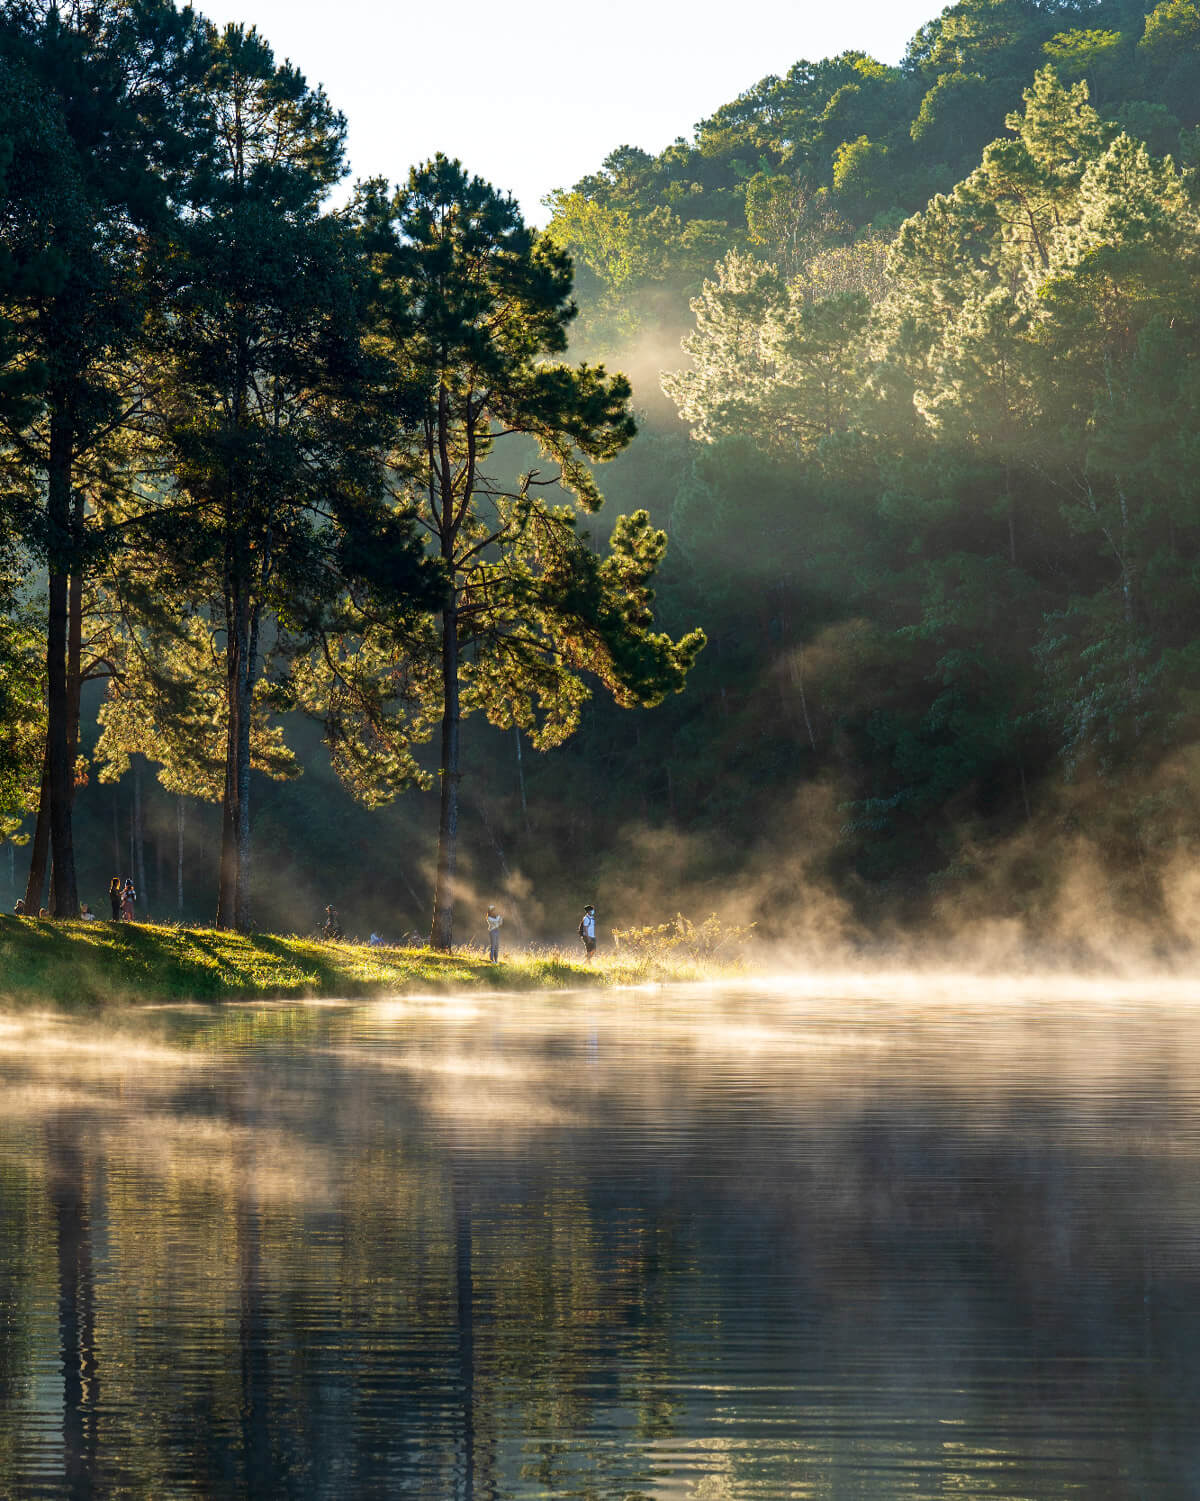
477 307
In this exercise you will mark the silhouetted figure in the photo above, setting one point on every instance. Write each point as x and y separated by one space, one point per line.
587 931
114 897
128 897
494 922
19 907
333 926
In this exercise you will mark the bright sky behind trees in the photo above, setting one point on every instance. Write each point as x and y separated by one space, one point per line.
533 95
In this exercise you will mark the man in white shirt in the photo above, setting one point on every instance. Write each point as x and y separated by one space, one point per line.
587 931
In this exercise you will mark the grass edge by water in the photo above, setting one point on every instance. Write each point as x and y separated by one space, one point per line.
88 965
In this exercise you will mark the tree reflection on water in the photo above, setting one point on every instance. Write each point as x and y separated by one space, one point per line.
752 1244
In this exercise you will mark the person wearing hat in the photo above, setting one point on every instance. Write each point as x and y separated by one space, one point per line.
494 921
587 931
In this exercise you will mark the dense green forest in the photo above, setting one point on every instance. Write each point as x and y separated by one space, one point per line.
913 354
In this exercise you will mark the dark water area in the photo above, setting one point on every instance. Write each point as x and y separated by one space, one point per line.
906 1239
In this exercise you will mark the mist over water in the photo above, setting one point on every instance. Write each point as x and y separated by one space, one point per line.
825 1235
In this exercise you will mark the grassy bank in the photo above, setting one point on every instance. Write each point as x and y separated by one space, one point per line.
77 964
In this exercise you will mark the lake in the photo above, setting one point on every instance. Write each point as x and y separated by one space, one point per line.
828 1236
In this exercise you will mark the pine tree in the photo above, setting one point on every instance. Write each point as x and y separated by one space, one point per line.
109 88
477 307
273 411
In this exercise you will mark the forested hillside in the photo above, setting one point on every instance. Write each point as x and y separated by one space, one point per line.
914 360
932 490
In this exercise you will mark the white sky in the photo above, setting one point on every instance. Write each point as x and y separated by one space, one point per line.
534 94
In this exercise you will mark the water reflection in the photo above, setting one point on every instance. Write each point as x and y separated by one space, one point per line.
779 1242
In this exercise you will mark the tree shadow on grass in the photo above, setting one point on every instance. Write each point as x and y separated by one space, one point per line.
402 966
82 965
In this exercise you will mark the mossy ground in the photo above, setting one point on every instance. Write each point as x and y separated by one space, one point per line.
78 964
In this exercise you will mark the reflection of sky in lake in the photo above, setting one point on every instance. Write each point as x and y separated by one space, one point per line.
820 1239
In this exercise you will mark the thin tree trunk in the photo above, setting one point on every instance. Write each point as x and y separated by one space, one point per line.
62 770
179 817
139 839
116 813
521 777
441 934
797 665
35 886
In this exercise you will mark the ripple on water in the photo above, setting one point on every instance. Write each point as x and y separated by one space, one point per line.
809 1240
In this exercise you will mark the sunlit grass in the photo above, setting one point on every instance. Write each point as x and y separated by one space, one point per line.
77 964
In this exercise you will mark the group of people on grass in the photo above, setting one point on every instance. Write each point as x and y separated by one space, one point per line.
586 930
332 928
121 896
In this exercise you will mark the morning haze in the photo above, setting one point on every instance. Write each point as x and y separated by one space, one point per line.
598 733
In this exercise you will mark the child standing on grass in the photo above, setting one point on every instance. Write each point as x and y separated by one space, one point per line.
114 897
494 922
128 897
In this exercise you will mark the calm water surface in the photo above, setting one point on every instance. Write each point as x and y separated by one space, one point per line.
920 1240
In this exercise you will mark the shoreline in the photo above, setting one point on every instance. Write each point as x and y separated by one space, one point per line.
75 965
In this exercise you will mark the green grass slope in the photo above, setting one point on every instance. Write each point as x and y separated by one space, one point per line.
78 964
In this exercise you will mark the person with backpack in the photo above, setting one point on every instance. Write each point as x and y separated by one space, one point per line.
128 897
587 931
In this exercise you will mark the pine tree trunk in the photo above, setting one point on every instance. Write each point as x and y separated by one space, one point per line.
441 934
75 637
235 643
227 888
61 766
35 886
242 829
233 910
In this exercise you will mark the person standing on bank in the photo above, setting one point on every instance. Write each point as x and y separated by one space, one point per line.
128 897
114 898
494 922
587 931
